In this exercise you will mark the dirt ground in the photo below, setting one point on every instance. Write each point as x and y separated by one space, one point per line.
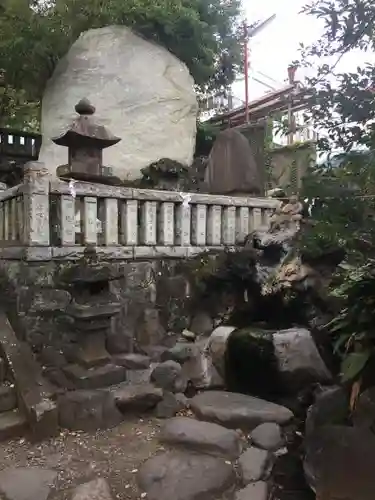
114 454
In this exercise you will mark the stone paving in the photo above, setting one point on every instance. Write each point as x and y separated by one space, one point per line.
180 458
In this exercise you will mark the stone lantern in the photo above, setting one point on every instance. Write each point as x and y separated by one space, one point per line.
85 141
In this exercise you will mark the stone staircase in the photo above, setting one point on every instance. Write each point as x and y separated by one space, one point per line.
12 421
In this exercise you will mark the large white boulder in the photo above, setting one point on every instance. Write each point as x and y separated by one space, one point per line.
141 92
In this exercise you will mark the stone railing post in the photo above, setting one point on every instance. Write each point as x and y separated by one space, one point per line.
36 228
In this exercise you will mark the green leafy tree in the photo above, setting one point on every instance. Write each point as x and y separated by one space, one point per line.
342 194
34 35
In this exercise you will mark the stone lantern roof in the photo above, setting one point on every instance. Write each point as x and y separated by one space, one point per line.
85 141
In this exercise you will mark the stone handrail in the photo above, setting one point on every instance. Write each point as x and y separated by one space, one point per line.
43 219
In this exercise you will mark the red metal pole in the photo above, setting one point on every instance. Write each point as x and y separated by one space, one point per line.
246 64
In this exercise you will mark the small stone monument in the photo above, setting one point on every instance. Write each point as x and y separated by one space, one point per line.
232 169
85 141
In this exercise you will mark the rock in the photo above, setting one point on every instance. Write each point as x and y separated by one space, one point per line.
339 462
138 397
149 328
184 476
98 489
267 436
51 357
253 491
27 483
118 342
2 370
232 168
88 410
49 300
216 347
254 464
364 412
331 407
202 437
167 375
188 335
180 353
237 410
132 361
298 358
202 324
8 398
155 352
200 371
138 376
266 363
162 113
171 404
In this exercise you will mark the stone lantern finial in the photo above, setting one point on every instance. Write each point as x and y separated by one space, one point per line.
85 141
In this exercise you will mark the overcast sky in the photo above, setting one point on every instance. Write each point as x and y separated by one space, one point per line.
277 45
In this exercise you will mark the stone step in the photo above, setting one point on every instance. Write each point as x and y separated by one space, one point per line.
12 424
8 398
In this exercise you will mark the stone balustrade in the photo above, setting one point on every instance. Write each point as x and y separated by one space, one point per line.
43 219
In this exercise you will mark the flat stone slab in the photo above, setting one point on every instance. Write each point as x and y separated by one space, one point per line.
97 489
26 483
202 436
185 476
237 410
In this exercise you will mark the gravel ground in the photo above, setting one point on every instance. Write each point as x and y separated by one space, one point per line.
114 454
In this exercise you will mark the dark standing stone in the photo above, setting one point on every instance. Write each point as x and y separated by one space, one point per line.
88 410
27 483
254 464
138 397
232 167
237 410
171 404
267 436
202 436
167 375
253 491
184 476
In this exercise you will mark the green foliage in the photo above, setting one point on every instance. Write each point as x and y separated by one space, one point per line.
342 195
34 35
205 138
342 204
353 329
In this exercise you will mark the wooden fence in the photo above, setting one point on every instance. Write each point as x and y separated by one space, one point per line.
43 219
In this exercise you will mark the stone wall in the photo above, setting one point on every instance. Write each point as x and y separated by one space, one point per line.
153 297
